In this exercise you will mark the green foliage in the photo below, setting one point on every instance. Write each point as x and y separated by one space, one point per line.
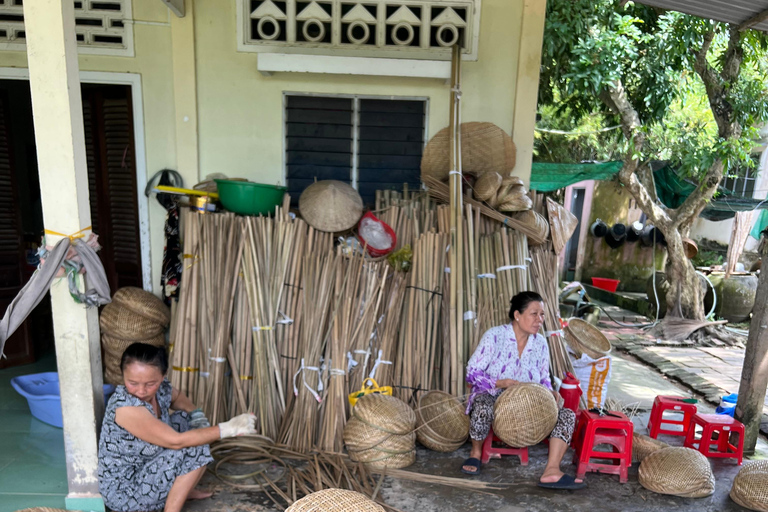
707 259
592 44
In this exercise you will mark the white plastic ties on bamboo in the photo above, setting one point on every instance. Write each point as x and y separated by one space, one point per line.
469 315
218 359
376 364
351 363
286 320
447 270
486 276
454 172
304 380
204 374
510 267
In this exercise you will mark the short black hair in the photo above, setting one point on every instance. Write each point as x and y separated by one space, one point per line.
520 302
145 354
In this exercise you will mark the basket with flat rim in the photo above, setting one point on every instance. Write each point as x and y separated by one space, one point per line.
441 423
584 337
335 500
524 415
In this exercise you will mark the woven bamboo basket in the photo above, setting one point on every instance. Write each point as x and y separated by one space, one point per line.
562 224
677 471
524 415
587 338
359 436
385 413
511 181
536 223
143 304
335 500
441 423
372 455
515 204
643 446
402 460
113 353
484 148
487 185
750 487
124 324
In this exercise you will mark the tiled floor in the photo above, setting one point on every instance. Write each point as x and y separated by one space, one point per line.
32 466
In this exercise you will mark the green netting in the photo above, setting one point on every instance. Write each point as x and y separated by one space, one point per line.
547 177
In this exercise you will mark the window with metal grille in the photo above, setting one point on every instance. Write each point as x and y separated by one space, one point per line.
741 182
371 143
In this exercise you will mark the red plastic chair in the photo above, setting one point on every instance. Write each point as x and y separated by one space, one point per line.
723 426
613 429
491 452
661 404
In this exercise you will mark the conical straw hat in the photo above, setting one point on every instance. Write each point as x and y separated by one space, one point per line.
331 206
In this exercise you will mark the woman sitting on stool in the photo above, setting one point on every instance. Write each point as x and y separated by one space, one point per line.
506 356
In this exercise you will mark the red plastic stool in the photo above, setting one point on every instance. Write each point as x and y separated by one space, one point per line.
489 452
723 425
670 403
614 429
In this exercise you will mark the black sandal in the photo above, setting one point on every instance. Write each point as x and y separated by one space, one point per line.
475 463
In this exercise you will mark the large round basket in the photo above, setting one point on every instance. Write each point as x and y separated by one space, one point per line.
113 353
750 487
335 500
524 415
399 461
677 471
441 423
331 206
643 446
484 148
587 338
385 413
124 324
359 437
143 304
536 224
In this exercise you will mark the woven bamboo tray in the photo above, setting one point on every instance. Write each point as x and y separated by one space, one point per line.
750 487
586 338
335 500
441 423
677 471
524 415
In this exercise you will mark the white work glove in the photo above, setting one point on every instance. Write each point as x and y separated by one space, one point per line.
238 426
197 419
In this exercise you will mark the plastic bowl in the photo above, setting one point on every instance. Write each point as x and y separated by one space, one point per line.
247 198
42 393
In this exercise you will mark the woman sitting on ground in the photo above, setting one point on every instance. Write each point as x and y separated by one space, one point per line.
150 459
506 356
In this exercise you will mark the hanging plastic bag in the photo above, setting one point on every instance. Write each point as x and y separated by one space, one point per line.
379 238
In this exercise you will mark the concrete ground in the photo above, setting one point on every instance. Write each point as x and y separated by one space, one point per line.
632 382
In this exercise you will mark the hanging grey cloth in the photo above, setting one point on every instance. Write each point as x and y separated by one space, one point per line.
34 291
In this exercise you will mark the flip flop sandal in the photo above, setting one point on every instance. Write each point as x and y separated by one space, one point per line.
475 463
566 482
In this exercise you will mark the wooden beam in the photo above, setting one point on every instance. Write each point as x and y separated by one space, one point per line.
754 20
754 373
176 6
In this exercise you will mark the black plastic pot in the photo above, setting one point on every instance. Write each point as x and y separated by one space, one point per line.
598 228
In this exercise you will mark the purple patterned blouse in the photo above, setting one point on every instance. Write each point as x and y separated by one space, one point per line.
496 358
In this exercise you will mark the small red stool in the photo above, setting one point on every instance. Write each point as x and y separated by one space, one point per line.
614 429
489 452
724 426
670 403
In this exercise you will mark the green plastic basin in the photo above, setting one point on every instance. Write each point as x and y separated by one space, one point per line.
248 198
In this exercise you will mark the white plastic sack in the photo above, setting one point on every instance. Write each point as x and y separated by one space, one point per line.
594 376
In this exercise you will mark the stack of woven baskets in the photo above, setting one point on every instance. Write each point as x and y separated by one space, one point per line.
442 425
380 432
506 194
335 500
584 338
133 316
524 415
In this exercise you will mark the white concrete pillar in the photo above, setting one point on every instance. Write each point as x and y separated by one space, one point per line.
58 118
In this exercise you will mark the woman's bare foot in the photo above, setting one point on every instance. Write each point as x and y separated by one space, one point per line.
197 494
551 476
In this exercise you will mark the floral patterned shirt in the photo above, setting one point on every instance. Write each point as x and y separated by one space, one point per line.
497 357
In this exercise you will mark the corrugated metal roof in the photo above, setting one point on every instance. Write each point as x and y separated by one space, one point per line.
735 12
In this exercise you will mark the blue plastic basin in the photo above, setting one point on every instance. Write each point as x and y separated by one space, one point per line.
42 393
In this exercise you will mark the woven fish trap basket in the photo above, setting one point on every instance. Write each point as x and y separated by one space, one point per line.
399 461
750 487
385 413
587 338
484 148
359 436
124 324
536 223
113 353
643 446
441 423
335 500
143 304
524 415
677 471
487 185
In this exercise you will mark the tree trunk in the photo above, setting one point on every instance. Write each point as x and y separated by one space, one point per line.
684 296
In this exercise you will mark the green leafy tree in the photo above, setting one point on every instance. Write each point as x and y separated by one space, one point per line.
682 88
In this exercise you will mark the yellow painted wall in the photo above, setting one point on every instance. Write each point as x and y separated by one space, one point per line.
240 112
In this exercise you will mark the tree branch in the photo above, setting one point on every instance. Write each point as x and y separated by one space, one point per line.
697 200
